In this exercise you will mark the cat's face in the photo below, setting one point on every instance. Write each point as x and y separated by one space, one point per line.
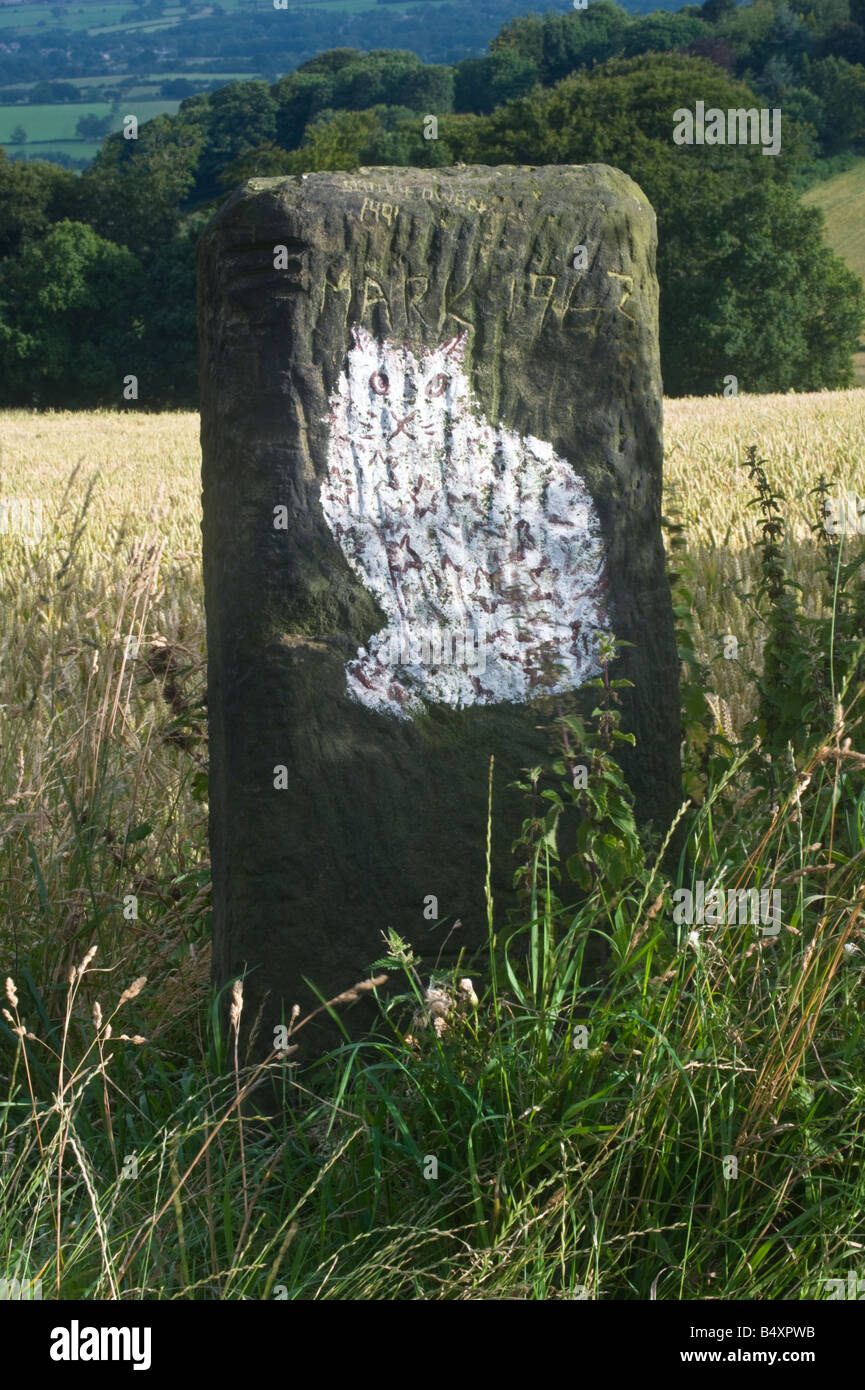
392 401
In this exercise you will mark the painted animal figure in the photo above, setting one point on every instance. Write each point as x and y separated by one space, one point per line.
507 537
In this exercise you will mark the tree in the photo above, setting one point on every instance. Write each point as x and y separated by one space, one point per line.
391 77
33 194
772 305
18 136
63 91
240 116
790 34
777 77
337 140
331 61
844 40
67 321
134 190
300 96
176 88
662 31
713 10
373 79
749 29
92 127
717 51
481 84
168 348
40 93
727 221
355 82
840 86
561 44
266 161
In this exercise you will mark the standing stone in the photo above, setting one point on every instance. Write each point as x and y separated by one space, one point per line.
431 426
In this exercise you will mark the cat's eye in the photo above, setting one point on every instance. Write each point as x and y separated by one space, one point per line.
438 385
379 383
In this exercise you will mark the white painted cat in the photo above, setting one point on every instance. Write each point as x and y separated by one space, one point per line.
456 526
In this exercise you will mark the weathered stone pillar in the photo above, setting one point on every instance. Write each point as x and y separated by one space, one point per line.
431 423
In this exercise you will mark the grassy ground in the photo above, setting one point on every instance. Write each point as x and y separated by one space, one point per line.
842 199
701 1139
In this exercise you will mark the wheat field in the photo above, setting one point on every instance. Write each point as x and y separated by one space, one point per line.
142 474
104 867
102 641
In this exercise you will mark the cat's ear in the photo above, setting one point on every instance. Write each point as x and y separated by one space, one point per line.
455 349
359 337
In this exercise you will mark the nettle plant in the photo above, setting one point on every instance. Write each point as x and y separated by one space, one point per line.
583 827
795 764
812 664
705 750
607 845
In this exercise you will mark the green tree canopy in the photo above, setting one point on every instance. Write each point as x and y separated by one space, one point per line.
559 44
133 191
239 117
67 320
300 96
338 140
622 114
840 86
772 305
481 84
92 127
33 195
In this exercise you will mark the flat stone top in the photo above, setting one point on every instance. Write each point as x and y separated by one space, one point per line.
473 188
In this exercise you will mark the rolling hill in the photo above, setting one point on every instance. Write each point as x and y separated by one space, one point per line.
842 199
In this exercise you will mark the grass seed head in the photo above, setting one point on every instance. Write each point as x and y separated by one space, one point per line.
134 989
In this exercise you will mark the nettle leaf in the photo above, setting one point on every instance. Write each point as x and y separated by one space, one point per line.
139 832
553 796
579 872
200 786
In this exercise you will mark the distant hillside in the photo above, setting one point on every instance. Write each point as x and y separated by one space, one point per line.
99 56
842 199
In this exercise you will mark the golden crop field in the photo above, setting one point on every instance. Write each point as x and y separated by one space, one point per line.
86 714
705 440
138 555
104 870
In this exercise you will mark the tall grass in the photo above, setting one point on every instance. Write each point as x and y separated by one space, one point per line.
687 1124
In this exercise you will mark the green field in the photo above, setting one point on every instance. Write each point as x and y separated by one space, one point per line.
73 17
45 124
50 149
107 19
842 199
131 84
